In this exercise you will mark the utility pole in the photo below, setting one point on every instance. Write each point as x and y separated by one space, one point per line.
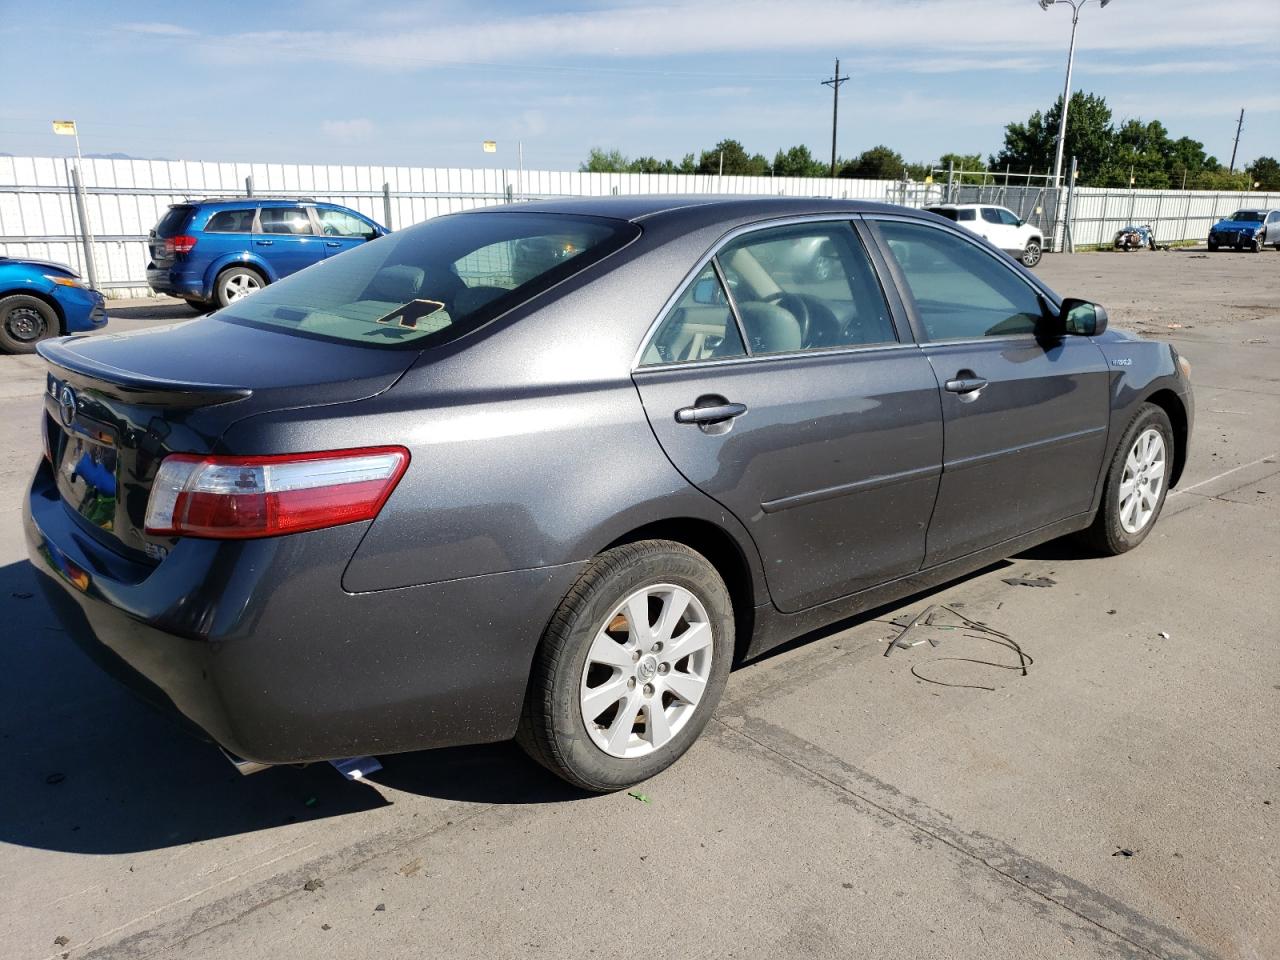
1236 145
834 84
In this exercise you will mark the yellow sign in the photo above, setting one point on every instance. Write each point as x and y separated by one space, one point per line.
64 128
490 146
929 178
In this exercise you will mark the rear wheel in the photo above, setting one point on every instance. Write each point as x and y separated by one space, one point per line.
200 306
1136 485
631 666
1031 253
236 283
24 322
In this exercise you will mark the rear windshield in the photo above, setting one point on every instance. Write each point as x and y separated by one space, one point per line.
1247 215
948 212
174 221
433 282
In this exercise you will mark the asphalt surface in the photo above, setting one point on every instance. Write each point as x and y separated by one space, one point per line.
1120 800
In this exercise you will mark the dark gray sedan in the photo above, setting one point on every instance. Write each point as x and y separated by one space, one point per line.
548 470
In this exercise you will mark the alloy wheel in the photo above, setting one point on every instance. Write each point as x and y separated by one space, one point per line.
646 670
240 286
1031 255
1142 480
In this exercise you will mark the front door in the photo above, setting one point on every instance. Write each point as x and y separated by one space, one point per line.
285 239
341 230
789 400
1025 417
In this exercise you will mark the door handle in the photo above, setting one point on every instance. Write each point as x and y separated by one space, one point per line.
332 243
717 414
264 243
965 384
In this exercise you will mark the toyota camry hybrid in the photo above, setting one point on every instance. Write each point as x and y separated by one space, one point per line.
549 470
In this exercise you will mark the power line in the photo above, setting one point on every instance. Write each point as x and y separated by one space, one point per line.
834 83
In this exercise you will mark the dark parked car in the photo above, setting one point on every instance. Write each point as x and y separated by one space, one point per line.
41 299
213 252
550 469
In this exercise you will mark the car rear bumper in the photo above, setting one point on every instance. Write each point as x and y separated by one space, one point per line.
256 644
173 282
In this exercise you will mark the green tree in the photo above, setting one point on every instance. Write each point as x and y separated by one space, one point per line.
1265 171
603 161
798 162
1141 155
969 167
878 163
736 161
1032 145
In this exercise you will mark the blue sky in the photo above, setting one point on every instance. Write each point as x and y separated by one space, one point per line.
424 83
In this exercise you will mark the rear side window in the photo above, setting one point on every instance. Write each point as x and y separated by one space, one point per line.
285 220
966 214
699 327
948 212
231 221
960 292
174 221
434 282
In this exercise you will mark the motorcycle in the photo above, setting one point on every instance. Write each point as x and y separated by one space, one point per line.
1132 238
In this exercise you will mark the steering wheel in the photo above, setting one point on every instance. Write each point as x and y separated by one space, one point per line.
795 305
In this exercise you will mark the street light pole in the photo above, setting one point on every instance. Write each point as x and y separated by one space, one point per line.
1066 88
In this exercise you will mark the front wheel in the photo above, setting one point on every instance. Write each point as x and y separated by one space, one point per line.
631 666
24 322
1031 253
1136 485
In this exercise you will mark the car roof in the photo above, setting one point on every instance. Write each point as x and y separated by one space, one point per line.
696 207
256 202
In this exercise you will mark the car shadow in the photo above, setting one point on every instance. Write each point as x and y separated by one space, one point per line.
91 769
166 309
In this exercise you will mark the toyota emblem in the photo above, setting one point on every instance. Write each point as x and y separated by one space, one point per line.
67 406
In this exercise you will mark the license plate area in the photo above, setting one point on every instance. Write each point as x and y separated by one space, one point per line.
88 477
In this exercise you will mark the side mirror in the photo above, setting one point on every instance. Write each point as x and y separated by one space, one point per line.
1082 318
707 292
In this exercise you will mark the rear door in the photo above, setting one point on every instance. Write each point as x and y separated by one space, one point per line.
1025 417
286 239
341 230
792 400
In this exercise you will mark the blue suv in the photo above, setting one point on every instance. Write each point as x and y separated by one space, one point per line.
212 252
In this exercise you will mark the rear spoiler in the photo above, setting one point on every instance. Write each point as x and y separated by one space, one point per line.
133 387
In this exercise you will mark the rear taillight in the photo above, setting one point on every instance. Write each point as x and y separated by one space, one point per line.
243 497
179 244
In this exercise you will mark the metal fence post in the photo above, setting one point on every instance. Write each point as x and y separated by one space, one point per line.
386 206
1159 206
1069 233
1102 220
248 186
86 235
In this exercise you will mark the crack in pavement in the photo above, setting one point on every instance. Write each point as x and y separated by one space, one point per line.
1097 909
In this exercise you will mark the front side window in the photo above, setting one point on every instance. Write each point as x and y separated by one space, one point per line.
231 221
292 220
960 291
700 326
433 282
1007 217
338 223
991 215
805 287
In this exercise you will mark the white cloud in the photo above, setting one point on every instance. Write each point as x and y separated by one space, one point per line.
158 29
360 128
978 32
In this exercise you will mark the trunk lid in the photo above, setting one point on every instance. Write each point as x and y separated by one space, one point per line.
116 405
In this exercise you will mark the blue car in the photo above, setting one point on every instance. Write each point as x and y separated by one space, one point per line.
41 299
1247 230
213 252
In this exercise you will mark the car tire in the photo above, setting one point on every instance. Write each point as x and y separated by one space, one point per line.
1031 254
1213 246
200 306
591 645
25 321
235 283
1258 246
1122 521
